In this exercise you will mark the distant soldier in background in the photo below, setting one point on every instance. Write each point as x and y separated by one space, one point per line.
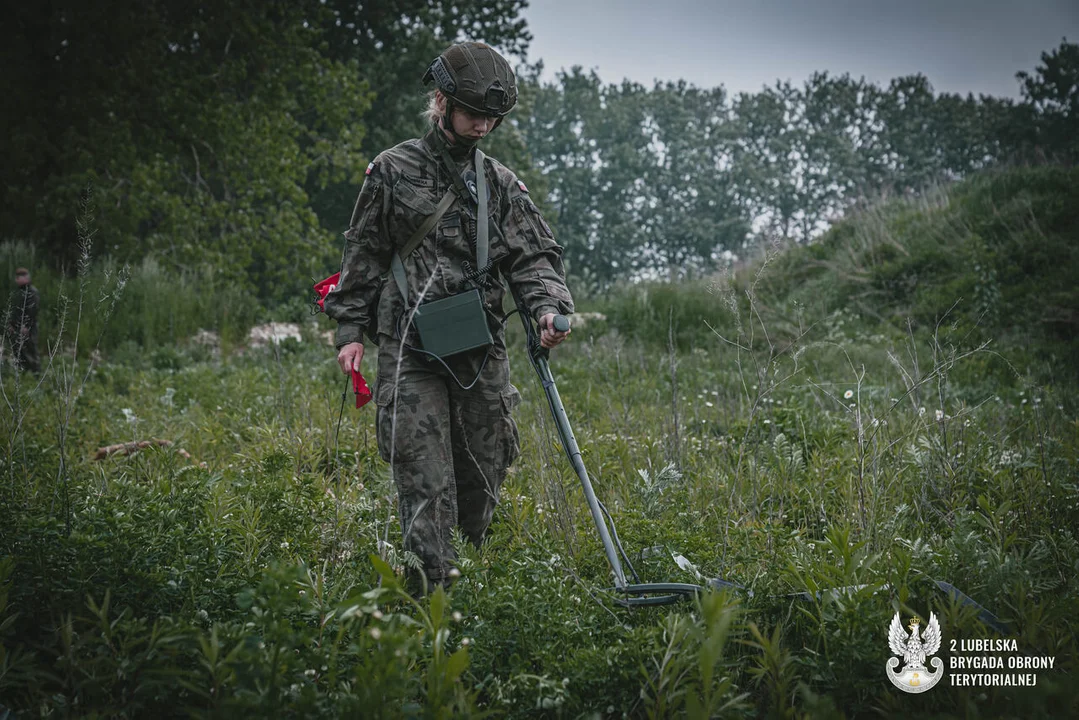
21 332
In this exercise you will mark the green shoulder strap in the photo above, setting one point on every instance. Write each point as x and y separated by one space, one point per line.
397 266
427 224
481 215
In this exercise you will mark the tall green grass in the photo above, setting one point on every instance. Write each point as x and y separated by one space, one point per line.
794 447
154 307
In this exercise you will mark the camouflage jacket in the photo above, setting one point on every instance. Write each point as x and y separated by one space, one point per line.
403 186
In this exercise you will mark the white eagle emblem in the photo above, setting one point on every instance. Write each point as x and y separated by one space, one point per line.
914 649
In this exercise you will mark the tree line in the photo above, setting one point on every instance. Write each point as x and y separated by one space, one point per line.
232 137
661 181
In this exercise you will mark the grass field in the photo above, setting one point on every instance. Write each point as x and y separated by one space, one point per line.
876 412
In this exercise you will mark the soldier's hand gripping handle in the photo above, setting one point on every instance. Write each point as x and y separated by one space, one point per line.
553 329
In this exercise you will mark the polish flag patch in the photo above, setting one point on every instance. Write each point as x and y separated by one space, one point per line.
370 168
520 184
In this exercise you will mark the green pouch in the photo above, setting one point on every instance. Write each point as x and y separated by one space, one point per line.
453 325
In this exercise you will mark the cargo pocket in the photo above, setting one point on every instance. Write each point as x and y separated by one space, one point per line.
413 201
384 435
509 439
415 194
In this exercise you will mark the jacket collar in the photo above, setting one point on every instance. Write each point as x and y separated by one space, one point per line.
436 140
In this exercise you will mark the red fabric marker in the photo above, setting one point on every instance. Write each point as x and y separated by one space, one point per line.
359 384
324 288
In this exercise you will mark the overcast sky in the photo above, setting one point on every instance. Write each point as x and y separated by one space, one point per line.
960 45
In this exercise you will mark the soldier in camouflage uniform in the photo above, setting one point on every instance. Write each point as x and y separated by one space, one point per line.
449 447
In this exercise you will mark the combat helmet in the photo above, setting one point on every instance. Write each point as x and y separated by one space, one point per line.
474 76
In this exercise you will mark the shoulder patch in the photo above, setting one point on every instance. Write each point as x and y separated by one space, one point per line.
370 168
520 184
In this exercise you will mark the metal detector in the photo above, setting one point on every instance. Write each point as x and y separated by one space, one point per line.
636 593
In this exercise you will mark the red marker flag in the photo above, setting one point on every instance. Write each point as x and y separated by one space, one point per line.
324 288
359 384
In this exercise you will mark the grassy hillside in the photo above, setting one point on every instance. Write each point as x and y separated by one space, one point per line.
993 259
809 440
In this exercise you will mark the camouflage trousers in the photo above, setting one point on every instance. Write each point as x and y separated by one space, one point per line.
449 448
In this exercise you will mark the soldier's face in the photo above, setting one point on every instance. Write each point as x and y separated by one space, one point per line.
471 125
466 123
22 280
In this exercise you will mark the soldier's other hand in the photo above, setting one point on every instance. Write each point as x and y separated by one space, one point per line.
349 357
24 331
549 337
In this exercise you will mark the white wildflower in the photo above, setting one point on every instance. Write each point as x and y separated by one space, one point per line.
848 395
939 415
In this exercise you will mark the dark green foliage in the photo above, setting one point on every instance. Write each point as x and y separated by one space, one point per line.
197 129
1052 94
